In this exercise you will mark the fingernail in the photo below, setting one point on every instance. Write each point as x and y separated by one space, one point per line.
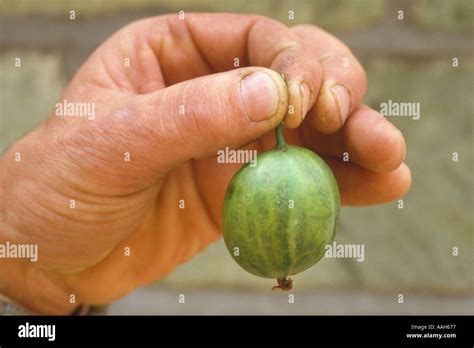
343 100
259 96
306 98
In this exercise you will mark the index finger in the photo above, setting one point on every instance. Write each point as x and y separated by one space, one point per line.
200 44
197 44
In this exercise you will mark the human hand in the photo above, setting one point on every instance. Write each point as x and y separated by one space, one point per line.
179 102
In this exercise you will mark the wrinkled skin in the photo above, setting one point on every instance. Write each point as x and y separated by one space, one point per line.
134 204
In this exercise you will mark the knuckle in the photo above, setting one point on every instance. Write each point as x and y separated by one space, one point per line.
208 110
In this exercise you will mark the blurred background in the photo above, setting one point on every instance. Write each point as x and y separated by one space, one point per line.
408 251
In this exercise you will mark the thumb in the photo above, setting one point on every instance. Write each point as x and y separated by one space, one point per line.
196 118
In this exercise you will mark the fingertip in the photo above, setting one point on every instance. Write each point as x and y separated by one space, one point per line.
359 186
342 99
373 142
394 145
298 95
303 77
261 95
404 179
282 92
395 183
331 109
387 149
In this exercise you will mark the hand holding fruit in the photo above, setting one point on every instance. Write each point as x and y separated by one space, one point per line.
180 101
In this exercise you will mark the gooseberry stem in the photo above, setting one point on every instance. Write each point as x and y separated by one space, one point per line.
279 136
